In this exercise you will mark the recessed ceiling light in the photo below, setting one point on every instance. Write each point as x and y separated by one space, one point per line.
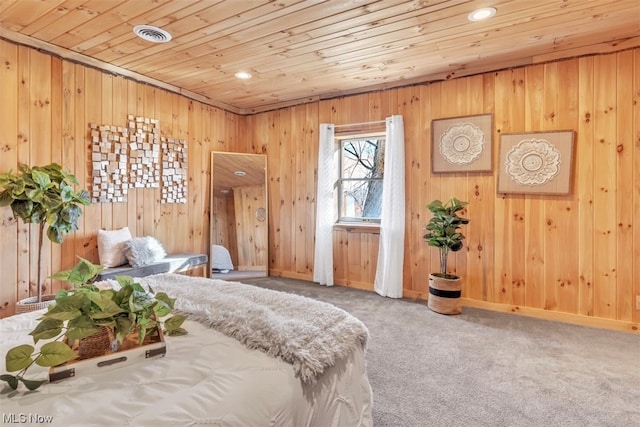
481 14
225 191
151 33
243 75
240 173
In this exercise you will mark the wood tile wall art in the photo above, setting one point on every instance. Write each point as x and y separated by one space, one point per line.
137 156
174 170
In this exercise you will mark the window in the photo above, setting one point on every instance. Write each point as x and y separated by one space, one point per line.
360 181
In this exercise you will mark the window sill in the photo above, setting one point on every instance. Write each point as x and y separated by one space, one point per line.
372 228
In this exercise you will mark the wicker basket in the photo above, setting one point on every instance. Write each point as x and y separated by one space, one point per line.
31 304
97 344
444 294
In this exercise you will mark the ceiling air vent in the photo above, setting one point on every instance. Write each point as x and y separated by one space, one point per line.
151 33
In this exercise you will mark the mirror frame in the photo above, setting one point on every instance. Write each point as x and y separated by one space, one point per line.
225 174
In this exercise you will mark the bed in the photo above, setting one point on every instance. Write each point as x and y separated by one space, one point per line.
218 374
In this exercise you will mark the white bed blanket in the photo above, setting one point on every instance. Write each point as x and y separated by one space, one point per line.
309 334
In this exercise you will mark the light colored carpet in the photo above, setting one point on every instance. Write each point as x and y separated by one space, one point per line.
483 368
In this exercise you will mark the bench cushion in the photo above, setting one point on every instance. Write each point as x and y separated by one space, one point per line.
173 263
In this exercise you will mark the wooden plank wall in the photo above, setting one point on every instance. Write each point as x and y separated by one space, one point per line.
575 257
251 233
47 105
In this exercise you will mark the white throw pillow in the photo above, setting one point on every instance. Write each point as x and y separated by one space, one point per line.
143 251
110 246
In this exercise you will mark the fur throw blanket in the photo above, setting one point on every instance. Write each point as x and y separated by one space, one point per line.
309 334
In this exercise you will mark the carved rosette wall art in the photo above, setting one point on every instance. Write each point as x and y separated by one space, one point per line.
533 162
462 144
537 162
137 156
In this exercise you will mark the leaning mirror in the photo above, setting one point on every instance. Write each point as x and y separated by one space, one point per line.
239 217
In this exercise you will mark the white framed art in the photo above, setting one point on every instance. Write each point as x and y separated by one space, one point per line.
536 162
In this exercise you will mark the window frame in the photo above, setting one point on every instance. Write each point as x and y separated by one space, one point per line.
341 140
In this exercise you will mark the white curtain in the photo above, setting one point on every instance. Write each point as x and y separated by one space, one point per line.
388 281
325 211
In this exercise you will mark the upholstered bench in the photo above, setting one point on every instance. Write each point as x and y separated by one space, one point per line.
175 263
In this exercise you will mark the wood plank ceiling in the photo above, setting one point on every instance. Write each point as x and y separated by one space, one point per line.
304 50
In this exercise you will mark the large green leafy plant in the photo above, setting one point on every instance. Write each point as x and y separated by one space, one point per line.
443 230
81 312
44 195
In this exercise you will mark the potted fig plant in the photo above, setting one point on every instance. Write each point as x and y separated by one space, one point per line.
43 195
89 314
443 232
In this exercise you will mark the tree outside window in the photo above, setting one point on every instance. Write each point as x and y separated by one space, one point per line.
361 175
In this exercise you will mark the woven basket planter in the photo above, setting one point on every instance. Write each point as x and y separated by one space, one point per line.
97 344
444 294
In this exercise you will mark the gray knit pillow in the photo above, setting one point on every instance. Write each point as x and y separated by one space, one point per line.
141 251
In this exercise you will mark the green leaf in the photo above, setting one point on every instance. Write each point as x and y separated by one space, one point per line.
62 293
107 307
143 318
456 246
66 192
18 188
83 197
69 300
177 332
66 309
5 198
61 275
54 235
125 280
108 321
79 275
81 327
23 209
41 178
46 329
82 273
69 177
70 213
54 354
161 309
151 324
32 384
19 357
11 380
174 322
142 333
122 296
138 288
98 299
164 304
161 296
137 302
123 327
52 218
